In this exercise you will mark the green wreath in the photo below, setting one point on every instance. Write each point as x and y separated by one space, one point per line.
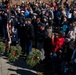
2 48
14 53
33 58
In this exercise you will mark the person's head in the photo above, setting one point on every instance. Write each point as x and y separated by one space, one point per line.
74 26
29 21
34 15
45 18
16 19
5 13
74 23
51 9
64 19
44 4
47 13
43 11
42 26
26 8
26 22
38 19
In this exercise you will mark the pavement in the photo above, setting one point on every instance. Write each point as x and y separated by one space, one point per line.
17 68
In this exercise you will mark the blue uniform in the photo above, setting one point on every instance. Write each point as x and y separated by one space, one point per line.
14 37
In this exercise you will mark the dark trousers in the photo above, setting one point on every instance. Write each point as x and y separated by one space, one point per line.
39 45
74 68
28 46
4 32
1 26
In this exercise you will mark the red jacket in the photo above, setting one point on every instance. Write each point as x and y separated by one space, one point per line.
58 43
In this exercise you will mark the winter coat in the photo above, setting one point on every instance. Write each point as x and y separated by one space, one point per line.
27 14
57 43
29 32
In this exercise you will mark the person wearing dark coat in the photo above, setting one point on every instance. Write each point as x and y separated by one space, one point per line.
1 27
28 36
36 29
4 22
45 21
41 35
21 26
14 36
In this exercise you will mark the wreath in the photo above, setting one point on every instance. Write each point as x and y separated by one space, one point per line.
2 48
33 58
14 53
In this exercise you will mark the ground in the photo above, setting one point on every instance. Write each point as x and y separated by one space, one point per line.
17 68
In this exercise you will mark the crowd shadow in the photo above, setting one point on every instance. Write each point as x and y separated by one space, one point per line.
22 72
24 69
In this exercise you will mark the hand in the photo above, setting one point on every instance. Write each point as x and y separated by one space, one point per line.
53 35
67 39
51 53
60 51
50 18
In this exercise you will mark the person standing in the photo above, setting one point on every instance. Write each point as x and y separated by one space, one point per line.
1 23
28 36
14 36
42 34
73 59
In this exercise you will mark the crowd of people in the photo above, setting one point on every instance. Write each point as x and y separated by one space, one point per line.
28 24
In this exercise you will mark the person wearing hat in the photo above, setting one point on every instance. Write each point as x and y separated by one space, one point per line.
13 20
36 24
4 22
34 17
45 21
1 26
28 36
42 34
14 36
42 13
20 27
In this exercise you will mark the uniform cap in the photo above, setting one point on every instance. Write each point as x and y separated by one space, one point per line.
42 24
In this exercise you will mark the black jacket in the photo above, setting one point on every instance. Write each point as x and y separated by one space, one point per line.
29 32
41 35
